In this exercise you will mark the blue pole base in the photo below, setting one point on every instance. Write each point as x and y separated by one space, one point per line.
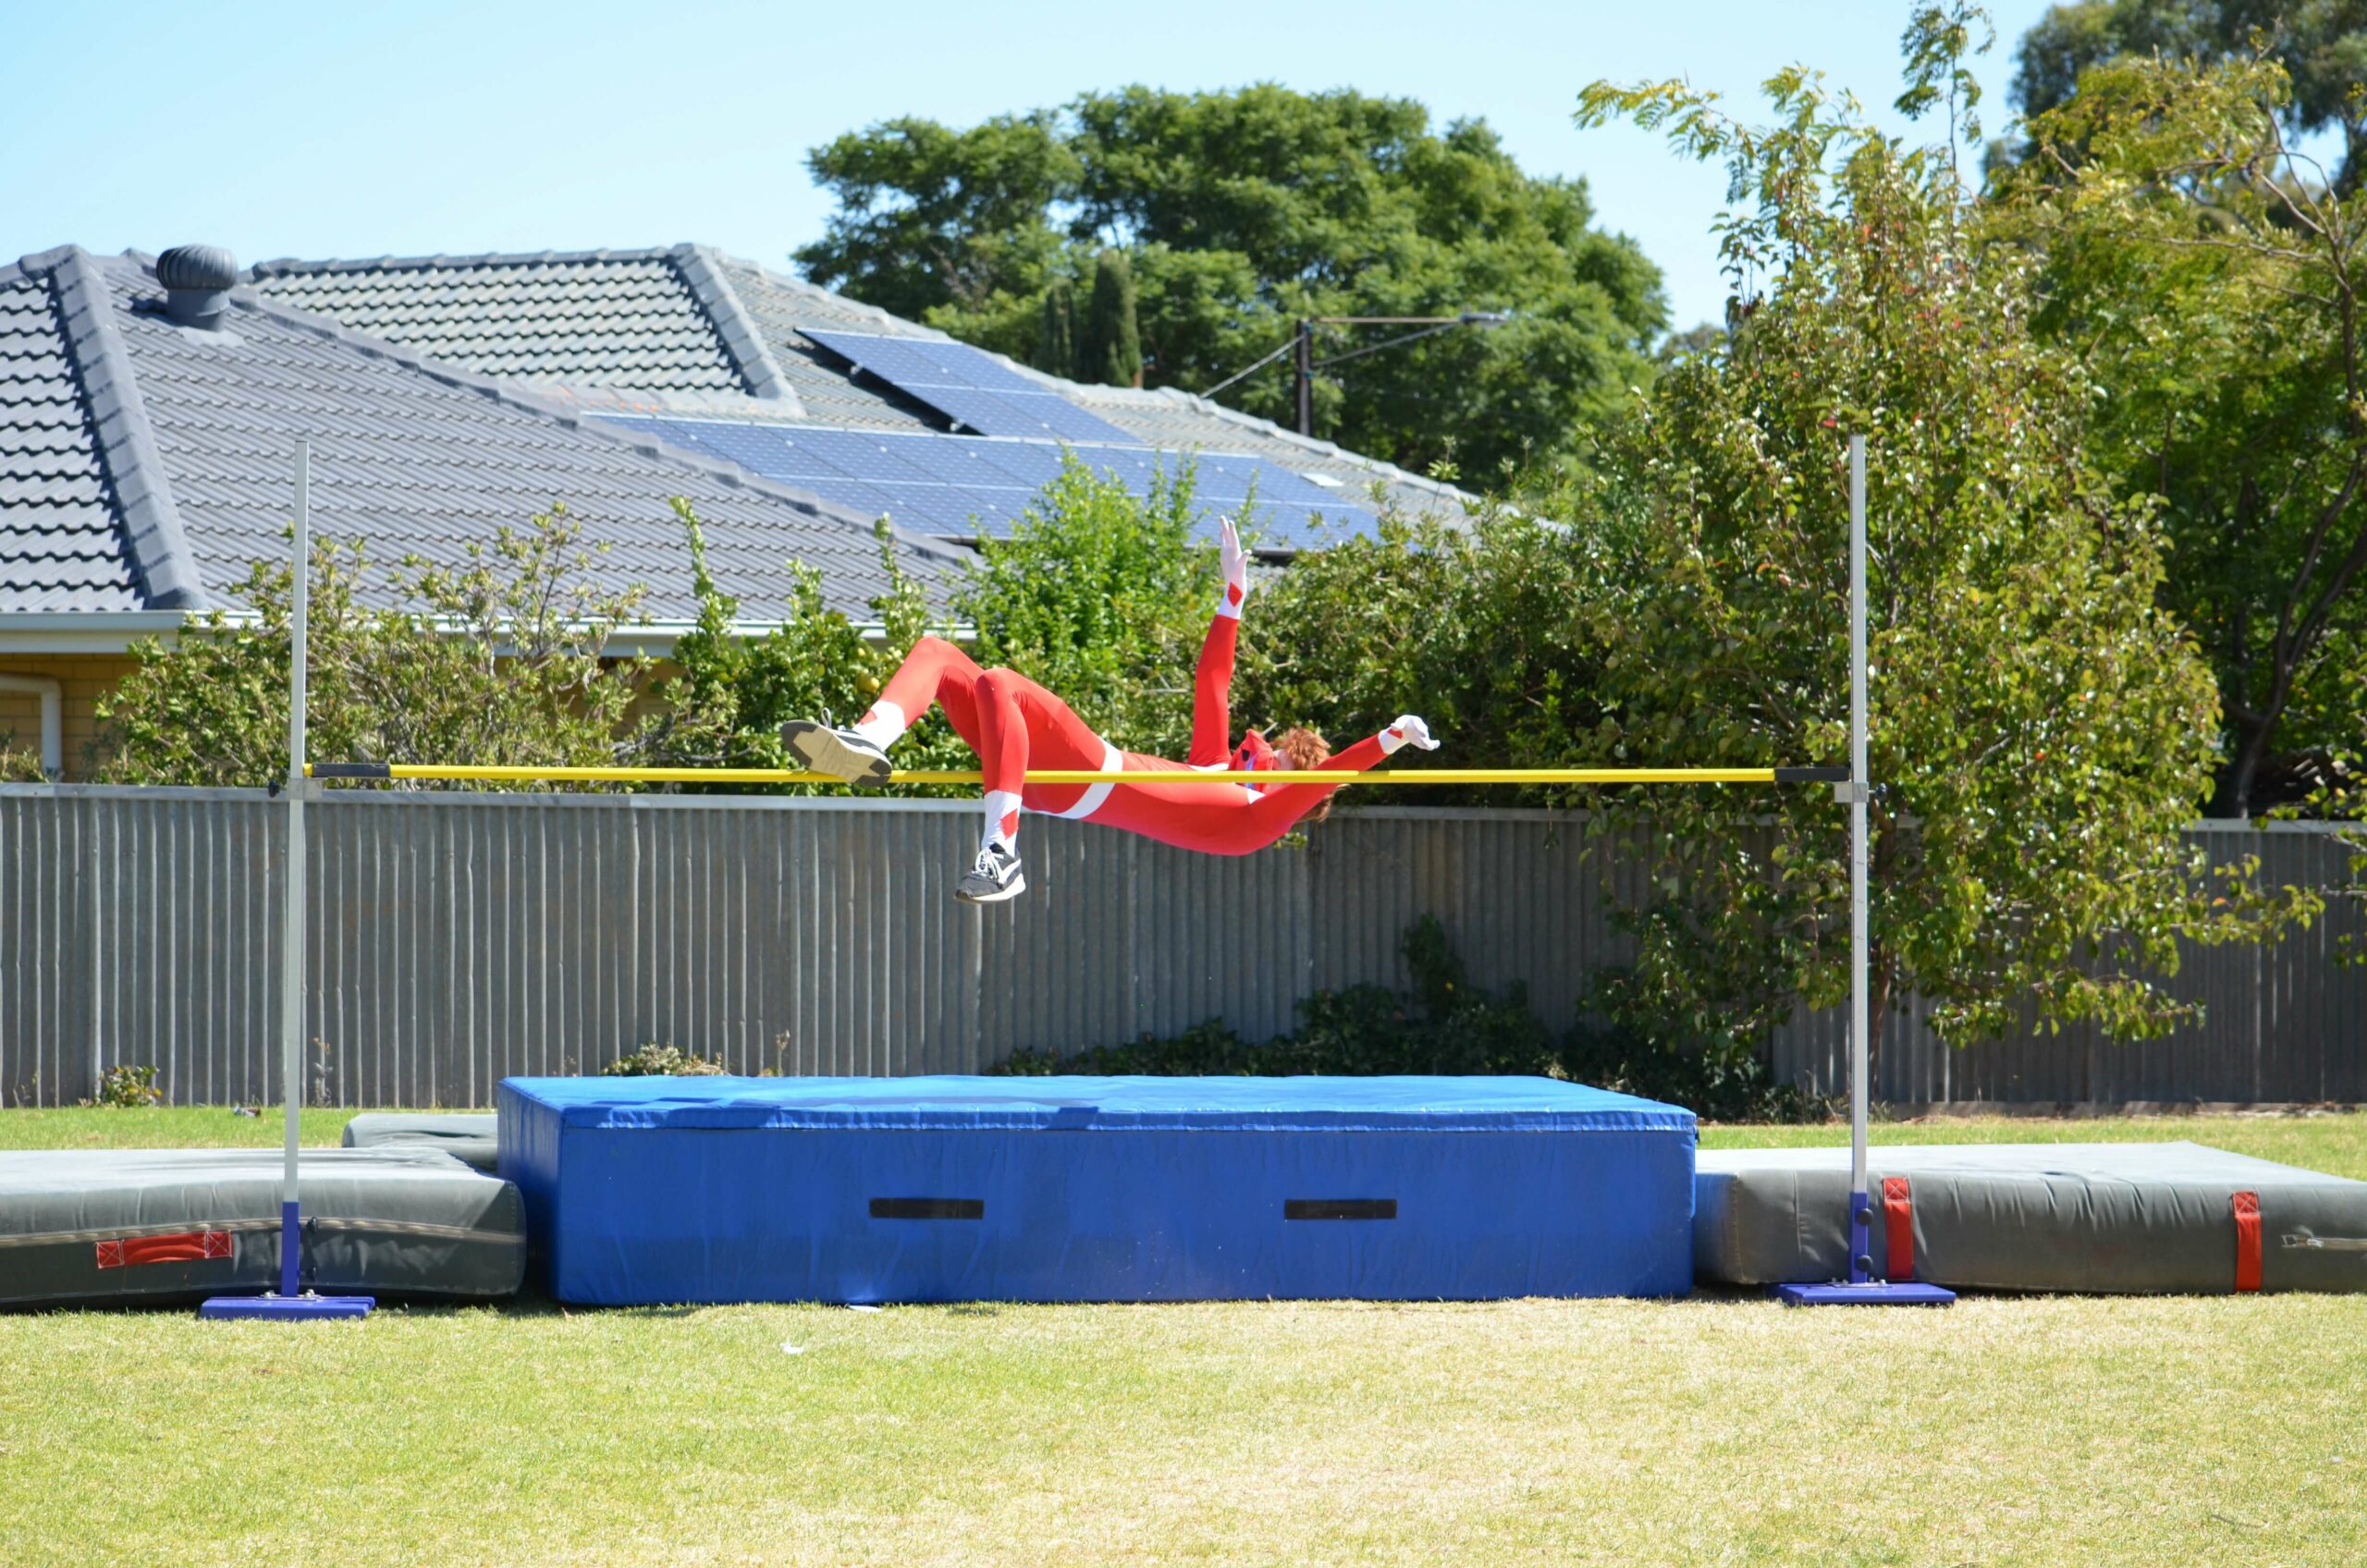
1868 1293
285 1308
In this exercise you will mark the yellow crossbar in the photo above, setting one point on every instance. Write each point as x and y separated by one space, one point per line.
1509 777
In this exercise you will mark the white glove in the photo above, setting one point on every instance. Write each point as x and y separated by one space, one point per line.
1407 729
1236 562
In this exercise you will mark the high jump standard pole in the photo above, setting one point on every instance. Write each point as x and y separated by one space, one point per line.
292 1300
1860 1287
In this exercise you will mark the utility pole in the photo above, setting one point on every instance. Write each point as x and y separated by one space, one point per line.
1306 377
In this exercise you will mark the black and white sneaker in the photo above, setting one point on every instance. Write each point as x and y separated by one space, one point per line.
995 877
841 754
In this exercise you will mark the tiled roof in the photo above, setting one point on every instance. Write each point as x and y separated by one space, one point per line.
782 307
59 545
586 320
155 459
757 318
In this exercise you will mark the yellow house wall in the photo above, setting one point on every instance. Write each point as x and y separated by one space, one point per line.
88 677
85 677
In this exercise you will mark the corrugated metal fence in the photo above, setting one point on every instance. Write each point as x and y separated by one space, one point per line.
462 937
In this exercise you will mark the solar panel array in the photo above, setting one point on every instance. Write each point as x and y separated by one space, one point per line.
964 485
967 385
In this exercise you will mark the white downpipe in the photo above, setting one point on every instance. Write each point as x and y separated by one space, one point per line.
53 717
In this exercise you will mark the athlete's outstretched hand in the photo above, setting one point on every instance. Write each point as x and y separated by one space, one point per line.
1236 562
1406 730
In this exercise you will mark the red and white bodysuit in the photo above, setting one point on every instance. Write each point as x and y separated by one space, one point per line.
1014 724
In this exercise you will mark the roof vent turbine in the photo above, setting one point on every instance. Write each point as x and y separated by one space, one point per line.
197 280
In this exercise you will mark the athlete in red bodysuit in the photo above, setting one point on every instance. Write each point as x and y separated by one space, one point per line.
1013 724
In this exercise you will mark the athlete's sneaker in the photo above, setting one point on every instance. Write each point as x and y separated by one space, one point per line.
995 877
841 754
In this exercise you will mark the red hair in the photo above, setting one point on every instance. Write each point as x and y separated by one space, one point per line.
1301 749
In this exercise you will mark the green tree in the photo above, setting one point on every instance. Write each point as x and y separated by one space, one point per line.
732 693
1056 337
2041 728
2321 45
931 217
2212 280
1710 337
1111 349
1242 211
1487 632
499 660
1103 596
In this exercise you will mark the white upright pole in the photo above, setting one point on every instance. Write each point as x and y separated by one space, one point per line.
1860 1209
292 928
291 1301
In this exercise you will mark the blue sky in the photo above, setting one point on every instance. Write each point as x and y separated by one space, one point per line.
368 129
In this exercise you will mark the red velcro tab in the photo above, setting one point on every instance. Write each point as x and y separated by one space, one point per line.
1898 1227
2248 1241
183 1246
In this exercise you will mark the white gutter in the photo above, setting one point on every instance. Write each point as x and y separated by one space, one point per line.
68 631
53 717
86 631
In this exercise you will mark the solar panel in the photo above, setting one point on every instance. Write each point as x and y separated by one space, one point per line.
863 456
963 485
967 385
1031 463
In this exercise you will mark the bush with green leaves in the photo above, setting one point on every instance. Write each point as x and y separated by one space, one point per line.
498 660
654 1060
1487 632
19 763
1103 596
127 1086
1443 1025
731 692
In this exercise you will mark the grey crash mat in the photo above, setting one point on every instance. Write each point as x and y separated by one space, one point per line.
146 1225
466 1136
2107 1217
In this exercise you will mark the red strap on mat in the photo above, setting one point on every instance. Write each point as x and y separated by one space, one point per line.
181 1247
1898 1226
2247 1241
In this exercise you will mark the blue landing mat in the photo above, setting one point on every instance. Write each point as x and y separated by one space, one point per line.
1097 1189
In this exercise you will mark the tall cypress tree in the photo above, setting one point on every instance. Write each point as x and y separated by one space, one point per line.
1112 351
1056 337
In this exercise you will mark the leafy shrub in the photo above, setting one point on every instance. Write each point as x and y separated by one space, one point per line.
1102 596
128 1085
1715 1084
500 657
1445 1024
654 1060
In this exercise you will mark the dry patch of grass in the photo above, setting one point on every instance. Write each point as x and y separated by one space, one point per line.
2051 1431
2070 1430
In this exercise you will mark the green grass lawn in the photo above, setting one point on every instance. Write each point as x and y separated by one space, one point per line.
2222 1430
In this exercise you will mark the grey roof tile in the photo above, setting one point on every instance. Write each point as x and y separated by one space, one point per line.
589 319
156 424
59 544
784 307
